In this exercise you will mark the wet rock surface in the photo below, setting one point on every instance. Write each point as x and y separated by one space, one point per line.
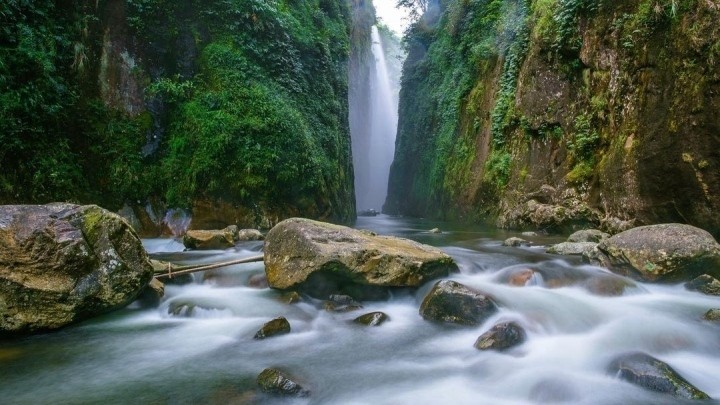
276 382
62 263
452 302
245 235
276 327
515 242
572 248
152 294
372 319
712 315
650 373
588 235
705 284
501 337
665 252
321 259
341 303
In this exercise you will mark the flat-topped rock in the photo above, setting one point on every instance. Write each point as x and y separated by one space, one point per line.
210 239
323 259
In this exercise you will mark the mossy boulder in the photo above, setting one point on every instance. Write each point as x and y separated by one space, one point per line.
276 327
501 337
665 252
452 302
274 381
712 315
648 372
209 239
63 263
321 259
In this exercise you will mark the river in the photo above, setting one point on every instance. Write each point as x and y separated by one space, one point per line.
148 356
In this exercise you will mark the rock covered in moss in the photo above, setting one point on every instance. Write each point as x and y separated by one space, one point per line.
501 337
278 326
452 302
323 259
665 252
712 315
648 372
705 284
62 263
588 235
209 239
274 381
372 319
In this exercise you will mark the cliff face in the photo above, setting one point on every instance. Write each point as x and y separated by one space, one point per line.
558 113
236 110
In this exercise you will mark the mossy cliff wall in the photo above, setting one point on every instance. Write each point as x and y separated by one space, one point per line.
552 114
236 110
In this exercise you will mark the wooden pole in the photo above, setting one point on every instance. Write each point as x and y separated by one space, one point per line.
204 267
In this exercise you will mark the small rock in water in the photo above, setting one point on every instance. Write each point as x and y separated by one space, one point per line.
712 315
246 235
152 294
529 234
501 337
341 303
208 240
648 372
572 248
435 230
273 381
705 284
291 297
372 319
453 302
588 235
523 277
515 242
278 326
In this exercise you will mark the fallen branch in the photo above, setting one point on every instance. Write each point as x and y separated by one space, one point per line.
181 270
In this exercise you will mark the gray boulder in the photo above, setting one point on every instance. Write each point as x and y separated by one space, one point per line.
666 252
572 248
652 374
452 302
588 235
705 284
321 259
63 263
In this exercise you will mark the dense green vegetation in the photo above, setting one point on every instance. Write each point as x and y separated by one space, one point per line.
247 99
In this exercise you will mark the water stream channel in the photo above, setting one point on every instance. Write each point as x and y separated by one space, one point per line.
208 354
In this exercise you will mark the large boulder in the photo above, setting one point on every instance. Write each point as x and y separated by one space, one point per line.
452 302
666 252
650 373
323 259
62 263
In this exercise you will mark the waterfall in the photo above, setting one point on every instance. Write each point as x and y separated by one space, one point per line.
374 141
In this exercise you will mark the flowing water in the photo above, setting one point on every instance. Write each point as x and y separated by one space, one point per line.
373 155
208 354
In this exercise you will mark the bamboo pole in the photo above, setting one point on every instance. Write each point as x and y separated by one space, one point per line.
204 267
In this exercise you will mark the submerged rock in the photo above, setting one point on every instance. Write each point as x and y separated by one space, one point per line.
278 326
572 248
208 240
435 230
323 259
501 337
666 252
594 280
273 381
650 373
291 297
453 302
705 284
515 242
588 235
372 319
62 263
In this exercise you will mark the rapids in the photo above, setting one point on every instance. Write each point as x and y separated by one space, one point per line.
207 354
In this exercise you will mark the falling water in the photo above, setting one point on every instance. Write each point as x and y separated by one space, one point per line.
374 155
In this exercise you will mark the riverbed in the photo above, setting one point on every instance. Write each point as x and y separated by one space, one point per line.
205 352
